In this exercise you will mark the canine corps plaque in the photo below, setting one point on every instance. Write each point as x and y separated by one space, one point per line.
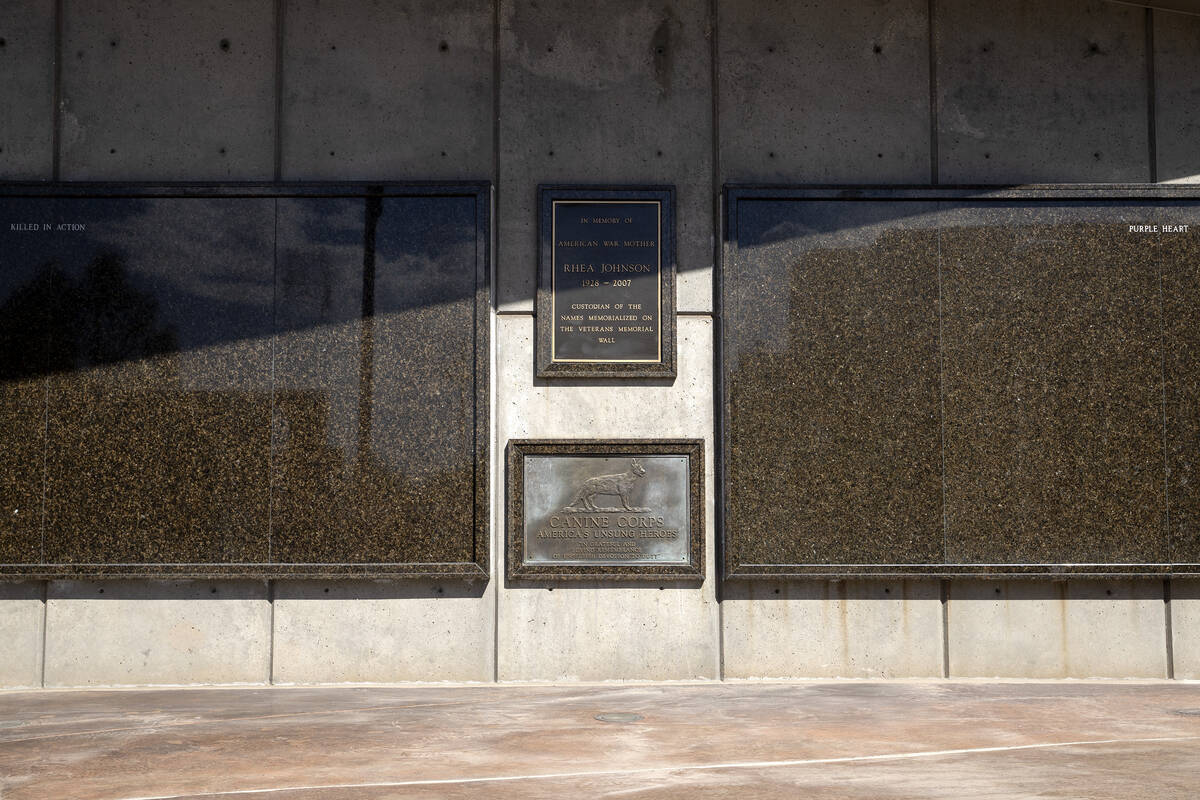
619 509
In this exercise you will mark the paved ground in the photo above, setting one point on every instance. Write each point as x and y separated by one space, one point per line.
735 740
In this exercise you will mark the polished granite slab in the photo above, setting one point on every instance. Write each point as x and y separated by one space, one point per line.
831 366
244 380
960 381
1180 259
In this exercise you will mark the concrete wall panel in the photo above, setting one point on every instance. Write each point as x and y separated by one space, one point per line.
1185 627
824 92
375 631
27 90
1065 629
113 633
1177 96
833 629
21 617
581 630
387 91
174 90
614 93
1034 91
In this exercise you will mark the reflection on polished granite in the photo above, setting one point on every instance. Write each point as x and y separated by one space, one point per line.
927 384
242 384
833 386
1180 258
1052 359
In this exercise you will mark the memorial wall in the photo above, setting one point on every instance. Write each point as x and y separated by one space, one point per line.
500 341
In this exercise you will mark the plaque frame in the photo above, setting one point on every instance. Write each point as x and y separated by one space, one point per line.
518 449
546 366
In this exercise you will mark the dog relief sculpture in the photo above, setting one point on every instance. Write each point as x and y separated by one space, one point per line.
618 485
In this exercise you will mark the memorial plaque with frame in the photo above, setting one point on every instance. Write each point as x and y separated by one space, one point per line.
606 282
619 509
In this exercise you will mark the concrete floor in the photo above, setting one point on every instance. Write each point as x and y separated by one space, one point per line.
733 740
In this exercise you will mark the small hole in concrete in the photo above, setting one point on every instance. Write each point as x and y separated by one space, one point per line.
225 45
550 589
771 155
776 591
879 155
997 591
112 150
886 590
326 590
333 47
1108 591
213 590
771 49
550 49
222 151
443 46
112 43
659 153
101 591
3 42
1093 47
659 50
987 155
331 153
443 154
551 153
1096 156
878 49
661 588
79 54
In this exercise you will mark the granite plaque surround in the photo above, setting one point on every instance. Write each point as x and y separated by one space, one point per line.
606 509
606 282
960 381
244 380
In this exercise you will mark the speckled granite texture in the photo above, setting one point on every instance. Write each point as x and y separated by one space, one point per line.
956 382
244 381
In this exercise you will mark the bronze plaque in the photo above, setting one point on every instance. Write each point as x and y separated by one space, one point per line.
585 507
607 286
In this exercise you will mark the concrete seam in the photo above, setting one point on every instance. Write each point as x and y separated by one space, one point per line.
933 89
497 475
1169 629
277 168
1151 99
56 99
717 383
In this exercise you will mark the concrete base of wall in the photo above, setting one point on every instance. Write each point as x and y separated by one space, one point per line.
138 633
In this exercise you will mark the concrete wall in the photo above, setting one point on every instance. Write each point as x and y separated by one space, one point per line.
689 92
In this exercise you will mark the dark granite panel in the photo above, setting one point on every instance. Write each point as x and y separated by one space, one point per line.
148 331
831 385
27 280
376 386
159 388
1180 258
1052 385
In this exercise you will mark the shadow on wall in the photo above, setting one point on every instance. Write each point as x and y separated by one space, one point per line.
242 589
824 590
